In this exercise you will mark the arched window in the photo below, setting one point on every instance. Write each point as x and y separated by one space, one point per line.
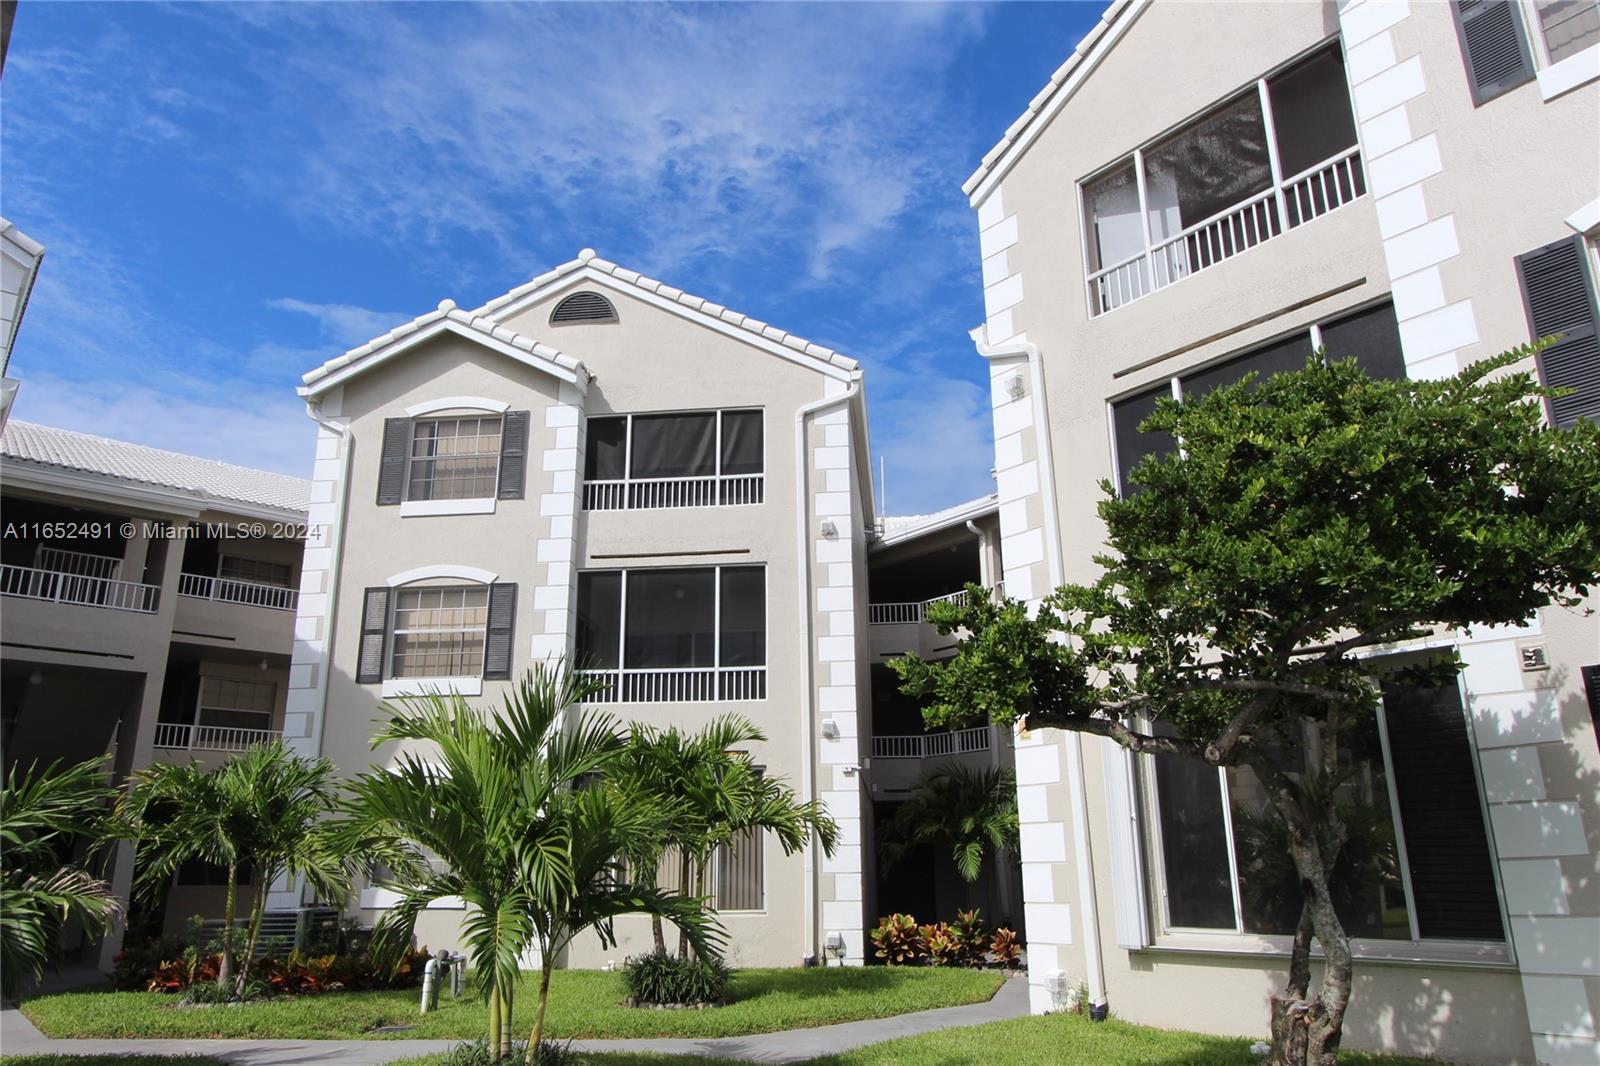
583 307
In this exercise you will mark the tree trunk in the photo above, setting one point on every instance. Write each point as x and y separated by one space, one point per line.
1306 1030
225 967
494 1023
686 870
506 1023
537 1036
258 907
657 935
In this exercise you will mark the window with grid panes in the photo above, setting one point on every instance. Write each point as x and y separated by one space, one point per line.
237 704
438 631
454 458
255 571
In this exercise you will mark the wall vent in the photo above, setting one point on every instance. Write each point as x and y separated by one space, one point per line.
583 307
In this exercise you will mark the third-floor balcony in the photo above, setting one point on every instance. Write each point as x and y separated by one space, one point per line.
1274 157
82 579
228 590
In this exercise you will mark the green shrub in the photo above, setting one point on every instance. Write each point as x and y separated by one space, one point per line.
970 937
660 978
899 940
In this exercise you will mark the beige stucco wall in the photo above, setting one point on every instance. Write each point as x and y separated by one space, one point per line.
1495 207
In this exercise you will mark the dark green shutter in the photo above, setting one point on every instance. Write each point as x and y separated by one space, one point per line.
374 634
497 638
392 466
1494 44
1559 297
513 454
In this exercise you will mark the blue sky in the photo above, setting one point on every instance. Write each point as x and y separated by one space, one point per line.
231 193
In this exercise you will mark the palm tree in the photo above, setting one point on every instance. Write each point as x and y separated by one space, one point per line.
719 793
972 812
492 811
182 813
285 800
43 816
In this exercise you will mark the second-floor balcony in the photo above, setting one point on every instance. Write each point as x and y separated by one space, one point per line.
1272 158
177 736
915 612
83 590
229 590
679 684
713 491
933 745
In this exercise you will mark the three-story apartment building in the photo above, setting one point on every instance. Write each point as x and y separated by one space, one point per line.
597 466
1206 190
147 604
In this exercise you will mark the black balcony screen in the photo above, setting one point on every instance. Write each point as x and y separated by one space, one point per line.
674 445
671 618
744 616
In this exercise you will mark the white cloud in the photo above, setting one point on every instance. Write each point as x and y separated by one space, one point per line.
268 431
345 325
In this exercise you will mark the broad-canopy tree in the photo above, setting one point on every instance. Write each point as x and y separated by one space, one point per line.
1308 522
504 810
47 815
971 811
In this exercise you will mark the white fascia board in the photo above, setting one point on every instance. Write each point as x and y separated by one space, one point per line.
994 172
628 288
975 510
101 488
443 325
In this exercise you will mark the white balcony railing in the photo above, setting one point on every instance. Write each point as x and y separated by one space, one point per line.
932 745
79 589
1308 195
890 614
680 684
82 564
724 490
174 735
229 590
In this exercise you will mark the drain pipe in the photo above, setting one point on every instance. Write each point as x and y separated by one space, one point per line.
808 726
1079 793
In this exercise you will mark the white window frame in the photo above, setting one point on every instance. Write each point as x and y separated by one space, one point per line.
1561 76
716 667
424 578
624 485
1489 953
446 409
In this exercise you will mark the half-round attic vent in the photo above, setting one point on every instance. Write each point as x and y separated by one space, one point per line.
583 307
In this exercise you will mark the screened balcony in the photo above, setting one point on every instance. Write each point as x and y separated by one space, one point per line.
696 634
1277 156
689 459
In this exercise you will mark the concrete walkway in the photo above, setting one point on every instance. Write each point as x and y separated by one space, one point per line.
19 1037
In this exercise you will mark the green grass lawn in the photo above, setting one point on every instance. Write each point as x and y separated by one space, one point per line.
1057 1040
583 1003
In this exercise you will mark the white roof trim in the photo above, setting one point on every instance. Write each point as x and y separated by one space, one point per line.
448 318
453 403
425 573
590 267
1043 107
1586 219
960 514
28 253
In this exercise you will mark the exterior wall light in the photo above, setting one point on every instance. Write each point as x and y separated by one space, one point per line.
830 729
1016 388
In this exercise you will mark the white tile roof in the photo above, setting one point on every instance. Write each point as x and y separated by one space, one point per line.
206 479
475 320
897 528
588 259
992 156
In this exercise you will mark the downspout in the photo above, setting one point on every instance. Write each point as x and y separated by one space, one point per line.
342 507
1093 962
808 732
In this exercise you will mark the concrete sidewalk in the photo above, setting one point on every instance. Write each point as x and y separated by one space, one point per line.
19 1037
